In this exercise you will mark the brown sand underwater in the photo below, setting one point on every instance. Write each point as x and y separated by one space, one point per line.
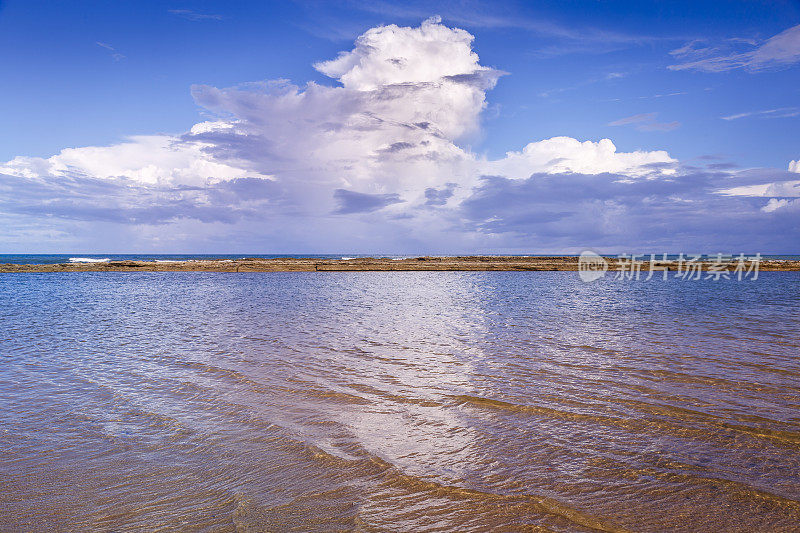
398 401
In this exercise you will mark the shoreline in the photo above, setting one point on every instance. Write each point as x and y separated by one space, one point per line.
371 264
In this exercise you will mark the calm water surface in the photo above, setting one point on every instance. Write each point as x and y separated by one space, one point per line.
398 401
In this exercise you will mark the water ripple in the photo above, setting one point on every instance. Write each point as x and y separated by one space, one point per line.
397 401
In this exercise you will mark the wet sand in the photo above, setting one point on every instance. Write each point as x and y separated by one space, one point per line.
364 264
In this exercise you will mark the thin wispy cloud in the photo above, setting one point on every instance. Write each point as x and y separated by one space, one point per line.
610 78
116 56
646 122
784 112
194 16
647 97
567 38
779 51
659 95
482 15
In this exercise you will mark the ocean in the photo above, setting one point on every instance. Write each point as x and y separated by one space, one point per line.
50 259
398 401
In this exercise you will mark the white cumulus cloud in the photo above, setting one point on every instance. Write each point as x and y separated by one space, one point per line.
144 159
780 203
373 160
565 154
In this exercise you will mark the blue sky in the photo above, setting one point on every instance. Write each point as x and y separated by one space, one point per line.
709 83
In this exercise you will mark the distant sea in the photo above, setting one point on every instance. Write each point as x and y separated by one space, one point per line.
48 259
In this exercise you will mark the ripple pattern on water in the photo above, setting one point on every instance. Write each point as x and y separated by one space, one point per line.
398 401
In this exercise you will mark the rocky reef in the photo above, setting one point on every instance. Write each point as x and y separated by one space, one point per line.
461 263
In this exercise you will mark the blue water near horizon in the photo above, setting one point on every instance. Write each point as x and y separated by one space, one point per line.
49 259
